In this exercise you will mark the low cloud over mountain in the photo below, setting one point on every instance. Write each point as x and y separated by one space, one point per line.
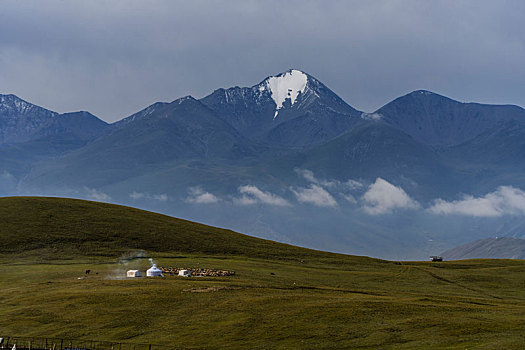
253 195
506 200
199 196
315 195
382 198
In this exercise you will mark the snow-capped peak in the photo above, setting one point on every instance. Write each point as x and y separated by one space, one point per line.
14 104
287 85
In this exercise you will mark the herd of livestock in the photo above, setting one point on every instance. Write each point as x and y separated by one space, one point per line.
197 272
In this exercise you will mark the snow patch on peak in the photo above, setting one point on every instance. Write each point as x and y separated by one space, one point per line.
424 92
184 99
371 116
14 104
286 86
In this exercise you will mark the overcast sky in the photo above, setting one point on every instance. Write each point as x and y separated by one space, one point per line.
116 57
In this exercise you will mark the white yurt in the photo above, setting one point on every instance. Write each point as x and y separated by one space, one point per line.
134 273
184 273
154 271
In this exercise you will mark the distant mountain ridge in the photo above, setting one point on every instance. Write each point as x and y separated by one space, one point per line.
290 120
21 121
167 133
489 248
439 121
240 150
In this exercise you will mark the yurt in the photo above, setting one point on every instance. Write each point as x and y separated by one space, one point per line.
134 273
154 271
184 273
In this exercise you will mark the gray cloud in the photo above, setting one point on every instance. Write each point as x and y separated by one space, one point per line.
382 198
505 200
114 58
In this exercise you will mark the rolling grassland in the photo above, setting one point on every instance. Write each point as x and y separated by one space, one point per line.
280 297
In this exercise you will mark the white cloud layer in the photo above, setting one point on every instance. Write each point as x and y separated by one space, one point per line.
353 184
252 195
136 195
161 197
315 195
506 200
382 198
96 195
349 198
141 195
199 196
309 176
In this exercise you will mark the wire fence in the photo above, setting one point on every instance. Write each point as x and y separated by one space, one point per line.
38 343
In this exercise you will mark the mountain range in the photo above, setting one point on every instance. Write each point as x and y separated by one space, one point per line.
285 159
489 248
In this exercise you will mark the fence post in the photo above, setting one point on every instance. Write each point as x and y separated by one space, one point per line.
150 347
61 344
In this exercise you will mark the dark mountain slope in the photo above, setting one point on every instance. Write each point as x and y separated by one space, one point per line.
178 132
21 121
140 114
30 134
375 149
439 121
503 145
493 158
75 126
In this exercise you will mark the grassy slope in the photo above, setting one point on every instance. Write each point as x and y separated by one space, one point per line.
65 228
312 300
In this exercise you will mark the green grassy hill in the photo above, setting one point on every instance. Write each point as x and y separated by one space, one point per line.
281 297
58 228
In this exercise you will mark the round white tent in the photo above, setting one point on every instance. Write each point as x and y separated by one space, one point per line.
154 271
